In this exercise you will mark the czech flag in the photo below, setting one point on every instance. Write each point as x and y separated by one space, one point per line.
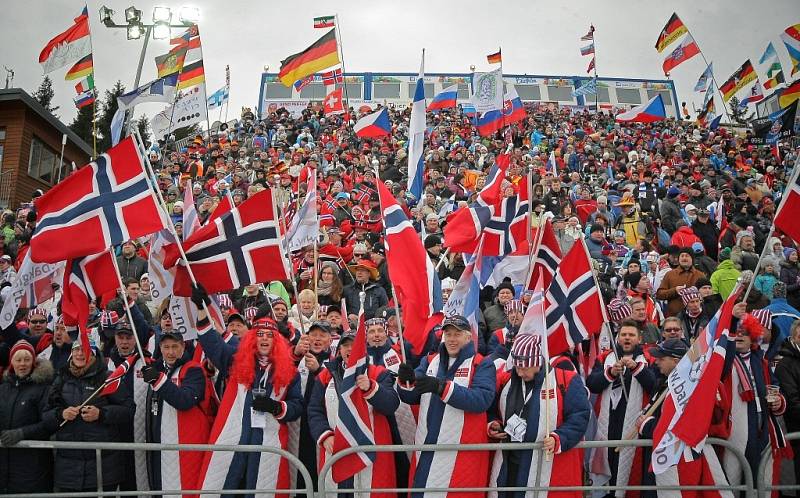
649 112
444 99
373 125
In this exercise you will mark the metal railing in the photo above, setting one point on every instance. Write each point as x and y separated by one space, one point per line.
747 487
100 447
766 488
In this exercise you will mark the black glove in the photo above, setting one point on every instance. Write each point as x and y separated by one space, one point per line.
266 404
200 296
429 384
405 373
11 437
150 374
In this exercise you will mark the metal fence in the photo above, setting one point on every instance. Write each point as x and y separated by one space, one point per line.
765 488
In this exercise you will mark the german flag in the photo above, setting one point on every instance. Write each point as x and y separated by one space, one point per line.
744 75
495 58
323 54
710 110
191 75
775 79
170 63
82 68
789 94
671 32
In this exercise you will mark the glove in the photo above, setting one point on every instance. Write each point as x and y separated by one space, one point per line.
150 374
405 373
200 296
429 384
267 404
11 437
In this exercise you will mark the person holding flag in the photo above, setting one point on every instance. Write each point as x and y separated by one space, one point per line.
349 389
454 387
535 404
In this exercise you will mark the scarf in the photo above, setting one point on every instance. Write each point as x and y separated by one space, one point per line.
324 288
78 372
694 314
263 361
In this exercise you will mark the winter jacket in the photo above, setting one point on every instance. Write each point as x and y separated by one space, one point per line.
76 469
374 299
723 280
24 407
744 260
790 275
667 290
684 237
708 233
764 284
788 373
705 264
670 214
133 267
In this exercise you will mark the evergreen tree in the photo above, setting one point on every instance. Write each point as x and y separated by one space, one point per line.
143 125
738 114
108 107
44 95
82 124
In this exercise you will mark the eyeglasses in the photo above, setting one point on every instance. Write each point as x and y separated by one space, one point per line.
264 333
673 329
37 322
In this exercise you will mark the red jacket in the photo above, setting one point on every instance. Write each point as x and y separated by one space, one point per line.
684 237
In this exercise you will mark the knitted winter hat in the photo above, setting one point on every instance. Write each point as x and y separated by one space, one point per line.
688 294
619 309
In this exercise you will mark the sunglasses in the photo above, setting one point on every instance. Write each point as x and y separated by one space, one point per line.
671 329
264 333
38 322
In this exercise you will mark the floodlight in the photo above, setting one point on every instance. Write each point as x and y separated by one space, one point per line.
106 16
135 31
133 15
161 14
161 30
189 14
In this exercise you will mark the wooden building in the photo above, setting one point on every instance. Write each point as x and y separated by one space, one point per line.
30 148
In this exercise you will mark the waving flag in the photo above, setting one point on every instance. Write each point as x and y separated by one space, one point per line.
588 88
160 90
495 58
332 77
465 299
32 286
324 22
83 67
419 294
354 421
685 51
670 33
512 112
791 40
464 227
114 379
219 97
104 204
588 49
191 220
590 35
303 82
304 228
743 76
754 96
374 125
786 214
707 113
686 411
591 66
789 94
333 103
774 69
416 136
445 99
508 227
239 248
322 54
574 307
652 110
547 256
702 82
68 46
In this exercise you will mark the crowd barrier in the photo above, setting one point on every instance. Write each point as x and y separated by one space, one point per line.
766 488
748 487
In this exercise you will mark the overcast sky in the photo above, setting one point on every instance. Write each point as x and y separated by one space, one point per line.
380 35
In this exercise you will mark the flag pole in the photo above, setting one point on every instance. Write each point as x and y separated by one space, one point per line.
713 78
594 56
288 269
94 102
228 89
127 308
765 249
340 48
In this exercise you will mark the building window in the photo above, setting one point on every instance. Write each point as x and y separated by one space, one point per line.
430 92
313 91
43 161
560 93
463 91
629 96
277 91
386 90
529 92
352 91
666 96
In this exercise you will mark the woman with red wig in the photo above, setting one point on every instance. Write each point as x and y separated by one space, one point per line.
262 394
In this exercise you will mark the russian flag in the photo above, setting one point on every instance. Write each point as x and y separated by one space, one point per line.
444 99
373 125
649 112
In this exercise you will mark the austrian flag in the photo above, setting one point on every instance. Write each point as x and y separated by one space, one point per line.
99 206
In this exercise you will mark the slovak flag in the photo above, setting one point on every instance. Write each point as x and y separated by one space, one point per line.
574 309
445 99
354 421
374 125
239 248
99 206
419 295
512 112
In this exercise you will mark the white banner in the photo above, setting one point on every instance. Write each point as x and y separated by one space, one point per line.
488 88
304 229
27 276
189 109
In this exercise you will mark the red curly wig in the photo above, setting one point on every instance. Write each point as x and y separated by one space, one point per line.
753 328
244 367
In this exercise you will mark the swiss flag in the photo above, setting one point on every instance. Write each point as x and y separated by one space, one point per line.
333 103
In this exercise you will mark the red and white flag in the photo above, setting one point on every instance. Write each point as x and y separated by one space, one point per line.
685 51
114 380
786 215
69 46
101 205
32 286
547 256
191 220
239 248
332 77
333 103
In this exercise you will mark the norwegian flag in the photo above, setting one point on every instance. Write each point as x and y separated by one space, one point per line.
419 294
547 256
465 226
98 206
85 279
239 248
328 206
354 422
574 308
785 216
331 77
507 229
364 193
225 205
114 380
